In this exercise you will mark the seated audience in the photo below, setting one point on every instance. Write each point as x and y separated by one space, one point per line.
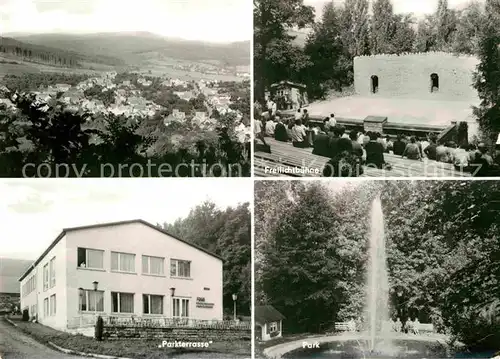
399 146
357 149
270 126
430 150
336 135
390 144
321 145
299 135
412 150
374 152
345 163
280 133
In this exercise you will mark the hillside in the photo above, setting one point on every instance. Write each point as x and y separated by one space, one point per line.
10 271
52 55
130 46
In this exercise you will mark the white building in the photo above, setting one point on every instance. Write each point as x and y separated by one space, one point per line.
125 269
268 323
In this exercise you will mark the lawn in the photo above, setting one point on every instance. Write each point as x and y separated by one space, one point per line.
137 349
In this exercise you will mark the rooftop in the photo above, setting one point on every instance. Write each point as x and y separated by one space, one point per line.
266 314
109 224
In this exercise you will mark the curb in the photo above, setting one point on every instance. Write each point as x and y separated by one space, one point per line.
68 351
10 321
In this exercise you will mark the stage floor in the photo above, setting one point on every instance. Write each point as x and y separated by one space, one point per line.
409 111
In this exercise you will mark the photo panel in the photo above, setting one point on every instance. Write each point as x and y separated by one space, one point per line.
103 88
137 268
377 269
382 88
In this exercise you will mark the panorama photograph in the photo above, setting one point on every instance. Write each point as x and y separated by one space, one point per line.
376 88
125 269
372 269
108 88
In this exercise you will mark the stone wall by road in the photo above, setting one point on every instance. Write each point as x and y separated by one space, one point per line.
409 76
176 334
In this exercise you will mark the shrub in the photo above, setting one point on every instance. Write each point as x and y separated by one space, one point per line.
99 328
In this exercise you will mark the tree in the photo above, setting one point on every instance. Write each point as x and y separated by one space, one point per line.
272 21
382 27
330 62
226 233
445 25
487 76
355 27
469 25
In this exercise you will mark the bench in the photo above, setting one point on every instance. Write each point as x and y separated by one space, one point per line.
284 155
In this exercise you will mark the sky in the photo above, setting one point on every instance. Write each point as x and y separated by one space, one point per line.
417 7
204 20
33 212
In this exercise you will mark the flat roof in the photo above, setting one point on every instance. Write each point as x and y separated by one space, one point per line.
109 224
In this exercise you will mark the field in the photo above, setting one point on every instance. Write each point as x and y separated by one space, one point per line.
165 66
23 67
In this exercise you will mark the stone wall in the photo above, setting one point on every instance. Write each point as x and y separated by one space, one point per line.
176 334
409 76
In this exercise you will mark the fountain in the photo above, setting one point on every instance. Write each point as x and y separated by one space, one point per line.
377 303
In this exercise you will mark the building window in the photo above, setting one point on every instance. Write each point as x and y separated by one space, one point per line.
52 272
179 268
152 304
123 262
273 327
46 307
90 258
374 84
180 308
91 301
153 265
53 305
122 302
434 83
45 277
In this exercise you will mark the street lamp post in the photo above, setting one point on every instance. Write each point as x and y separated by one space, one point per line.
234 304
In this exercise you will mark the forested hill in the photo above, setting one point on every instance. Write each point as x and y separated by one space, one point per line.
225 232
55 56
128 45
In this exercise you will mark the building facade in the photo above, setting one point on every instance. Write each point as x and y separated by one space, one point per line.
268 323
124 269
437 76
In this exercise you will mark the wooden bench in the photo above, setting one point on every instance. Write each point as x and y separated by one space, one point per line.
284 155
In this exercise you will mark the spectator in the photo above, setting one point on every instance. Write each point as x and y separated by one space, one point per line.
345 163
270 127
399 146
357 150
332 122
298 114
430 150
333 148
412 150
289 127
325 125
484 160
443 154
374 152
390 144
280 131
321 144
299 136
382 141
305 117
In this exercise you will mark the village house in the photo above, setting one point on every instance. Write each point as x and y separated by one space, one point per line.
125 269
268 323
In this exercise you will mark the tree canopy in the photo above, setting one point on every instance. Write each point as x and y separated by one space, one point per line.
225 232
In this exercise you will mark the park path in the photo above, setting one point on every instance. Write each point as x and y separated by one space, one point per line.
277 351
16 345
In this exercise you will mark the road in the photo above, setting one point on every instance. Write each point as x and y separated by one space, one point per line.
16 345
